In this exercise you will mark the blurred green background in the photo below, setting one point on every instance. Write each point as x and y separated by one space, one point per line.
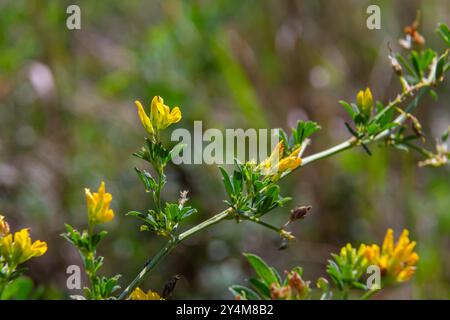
67 121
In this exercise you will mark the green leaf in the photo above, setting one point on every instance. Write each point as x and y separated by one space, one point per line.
227 182
244 292
405 64
18 289
305 129
275 272
237 182
426 58
416 64
262 269
350 108
147 179
176 150
282 135
260 287
434 95
440 67
444 32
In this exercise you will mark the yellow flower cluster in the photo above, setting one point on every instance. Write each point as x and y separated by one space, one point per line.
397 262
19 248
160 115
98 205
275 163
138 294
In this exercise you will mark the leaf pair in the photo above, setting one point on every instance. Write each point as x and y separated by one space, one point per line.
165 222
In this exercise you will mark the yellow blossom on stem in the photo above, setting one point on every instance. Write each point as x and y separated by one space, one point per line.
275 163
160 116
4 227
364 101
138 294
98 205
290 162
396 262
18 249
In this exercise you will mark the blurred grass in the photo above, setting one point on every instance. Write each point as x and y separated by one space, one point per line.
67 121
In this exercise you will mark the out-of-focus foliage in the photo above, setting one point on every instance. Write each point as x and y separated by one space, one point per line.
348 271
67 120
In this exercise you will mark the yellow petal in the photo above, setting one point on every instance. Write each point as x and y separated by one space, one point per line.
39 248
98 205
289 163
388 243
145 120
175 115
368 99
4 227
360 99
137 294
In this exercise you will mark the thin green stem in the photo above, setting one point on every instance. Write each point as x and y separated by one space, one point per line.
369 294
264 224
205 224
345 293
151 264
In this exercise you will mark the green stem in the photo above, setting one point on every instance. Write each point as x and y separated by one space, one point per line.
264 224
151 264
89 261
345 292
205 224
369 294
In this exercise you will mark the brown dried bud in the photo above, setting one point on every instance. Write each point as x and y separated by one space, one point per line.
4 227
396 65
299 213
170 286
412 35
416 37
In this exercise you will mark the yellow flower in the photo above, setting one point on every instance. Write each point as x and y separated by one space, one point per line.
160 115
364 101
98 205
397 262
4 227
275 163
20 249
138 294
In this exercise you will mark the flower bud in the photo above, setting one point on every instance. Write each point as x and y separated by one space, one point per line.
4 227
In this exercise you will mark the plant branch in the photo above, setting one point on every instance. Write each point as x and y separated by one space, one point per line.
348 144
352 142
151 264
